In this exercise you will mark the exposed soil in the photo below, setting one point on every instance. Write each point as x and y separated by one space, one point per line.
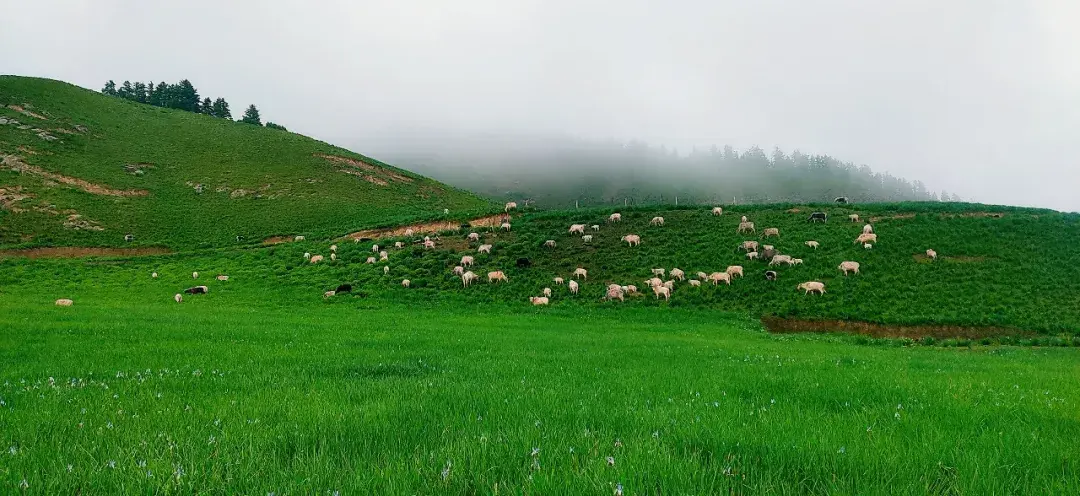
418 229
24 111
277 239
372 168
795 326
76 252
993 215
16 164
897 217
10 196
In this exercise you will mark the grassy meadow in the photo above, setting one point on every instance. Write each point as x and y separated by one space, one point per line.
246 396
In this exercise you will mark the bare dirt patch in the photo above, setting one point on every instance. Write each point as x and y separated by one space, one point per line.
15 163
273 240
796 326
77 252
895 217
24 111
375 170
10 196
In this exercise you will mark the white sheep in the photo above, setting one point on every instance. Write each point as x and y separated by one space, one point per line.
328 294
510 206
695 283
333 247
386 269
813 286
629 289
496 276
716 277
657 221
467 278
538 300
656 281
853 217
558 280
867 229
678 274
866 238
298 238
717 211
749 246
549 243
812 244
547 292
370 260
409 232
316 259
632 239
586 238
615 292
466 261
223 278
307 255
383 255
658 272
474 236
702 276
406 283
734 270
596 227
459 270
484 249
867 246
194 275
616 217
771 231
505 226
662 290
399 244
154 275
849 267
932 254
374 248
779 259
577 229
429 245
581 272
796 261
745 227
179 298
573 285
743 219
752 255
333 256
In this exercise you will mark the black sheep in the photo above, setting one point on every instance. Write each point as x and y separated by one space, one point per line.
770 275
197 290
344 288
523 263
816 216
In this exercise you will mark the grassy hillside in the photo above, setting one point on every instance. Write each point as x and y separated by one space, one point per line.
84 169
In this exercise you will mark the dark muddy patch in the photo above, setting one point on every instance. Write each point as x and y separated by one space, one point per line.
796 326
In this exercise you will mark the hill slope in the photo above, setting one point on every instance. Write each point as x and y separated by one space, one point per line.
84 169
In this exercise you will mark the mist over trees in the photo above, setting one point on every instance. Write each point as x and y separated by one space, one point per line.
181 96
562 172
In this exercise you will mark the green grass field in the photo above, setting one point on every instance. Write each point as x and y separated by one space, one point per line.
257 182
242 397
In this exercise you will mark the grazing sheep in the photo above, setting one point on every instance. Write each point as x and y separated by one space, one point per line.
459 270
717 211
932 254
194 275
467 261
670 285
406 283
356 240
64 302
867 229
374 248
813 287
399 244
768 254
734 270
197 290
716 277
630 289
779 259
632 239
538 300
547 292
577 229
386 269
678 274
298 238
333 256
742 219
812 244
573 285
769 247
656 221
409 232
429 245
866 238
505 226
558 280
695 283
796 261
853 217
370 260
749 246
510 206
427 238
222 278
154 275
816 216
658 272
867 246
496 276
333 247
849 267
586 238
752 255
770 275
328 294
467 278
841 200
654 282
771 231
615 292
474 236
384 255
745 227
484 249
549 243
179 298
581 272
596 227
702 276
616 217
662 290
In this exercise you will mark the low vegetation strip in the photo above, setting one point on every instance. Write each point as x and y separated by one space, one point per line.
796 326
80 251
17 164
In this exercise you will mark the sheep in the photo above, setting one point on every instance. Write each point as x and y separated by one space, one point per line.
702 276
194 275
654 282
429 245
179 298
153 275
474 236
716 277
779 259
717 211
661 290
932 254
374 248
399 245
586 238
816 216
615 217
467 261
595 227
333 247
796 261
841 200
509 206
771 231
573 285
630 289
678 274
316 259
581 272
812 244
749 246
752 255
770 275
427 238
577 229
64 302
328 294
615 292
333 256
768 247
658 272
742 219
867 246
386 269
656 221
484 249
409 232
734 270
866 238
384 255
695 283
632 239
813 287
496 275
197 290
538 300
298 238
853 217
406 283
370 260
467 278
768 254
549 243
223 278
458 270
558 280
849 267
670 285
746 227
547 292
505 226
867 229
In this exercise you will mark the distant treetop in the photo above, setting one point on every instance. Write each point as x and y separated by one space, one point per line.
180 96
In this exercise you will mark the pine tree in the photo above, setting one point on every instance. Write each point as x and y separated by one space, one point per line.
251 116
161 95
110 88
150 93
207 107
185 96
126 90
139 94
221 109
271 125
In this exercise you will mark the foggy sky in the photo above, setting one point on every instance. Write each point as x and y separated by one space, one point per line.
976 97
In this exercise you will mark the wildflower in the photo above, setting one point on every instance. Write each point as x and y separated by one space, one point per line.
212 440
897 415
70 468
842 450
178 473
149 474
772 401
618 443
537 424
24 484
656 434
618 490
142 464
535 452
446 470
13 450
571 450
611 461
108 425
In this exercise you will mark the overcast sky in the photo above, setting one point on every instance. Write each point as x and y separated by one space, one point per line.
977 97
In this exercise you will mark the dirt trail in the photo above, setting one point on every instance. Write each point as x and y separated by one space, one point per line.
76 252
391 232
23 111
360 164
795 326
897 217
15 163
